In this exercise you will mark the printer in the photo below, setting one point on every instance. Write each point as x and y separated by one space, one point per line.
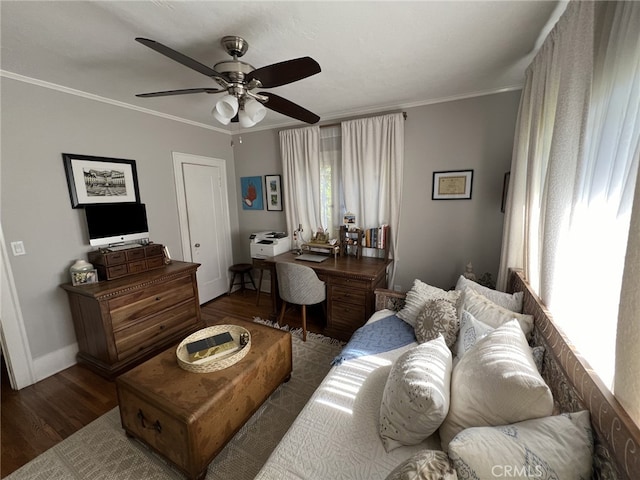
269 244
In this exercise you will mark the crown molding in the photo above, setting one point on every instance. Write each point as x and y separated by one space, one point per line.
97 98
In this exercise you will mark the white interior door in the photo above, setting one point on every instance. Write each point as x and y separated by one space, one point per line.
204 220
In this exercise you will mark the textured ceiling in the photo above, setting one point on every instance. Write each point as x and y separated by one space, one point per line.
375 56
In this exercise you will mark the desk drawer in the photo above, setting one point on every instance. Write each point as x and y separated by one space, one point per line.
347 315
137 266
349 282
348 295
129 308
141 335
135 254
117 271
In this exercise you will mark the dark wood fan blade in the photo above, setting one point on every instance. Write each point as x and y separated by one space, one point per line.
285 72
179 57
184 91
288 108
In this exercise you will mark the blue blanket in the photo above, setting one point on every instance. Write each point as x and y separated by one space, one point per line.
384 335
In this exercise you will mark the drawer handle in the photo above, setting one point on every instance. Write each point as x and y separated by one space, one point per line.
155 426
158 299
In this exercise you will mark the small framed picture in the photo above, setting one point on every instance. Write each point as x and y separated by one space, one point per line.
452 185
251 188
273 187
84 278
349 219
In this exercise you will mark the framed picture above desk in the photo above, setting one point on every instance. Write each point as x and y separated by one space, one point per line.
351 283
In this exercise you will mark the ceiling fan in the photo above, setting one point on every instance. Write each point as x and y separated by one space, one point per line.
238 79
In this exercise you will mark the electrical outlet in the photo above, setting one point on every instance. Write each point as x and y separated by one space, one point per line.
18 248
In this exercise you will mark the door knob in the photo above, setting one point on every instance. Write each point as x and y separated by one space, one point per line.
197 245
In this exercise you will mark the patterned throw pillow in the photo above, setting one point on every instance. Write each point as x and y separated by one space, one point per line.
559 447
415 399
438 317
471 330
419 295
425 465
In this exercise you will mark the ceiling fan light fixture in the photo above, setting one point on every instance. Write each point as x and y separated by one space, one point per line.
227 107
223 120
252 113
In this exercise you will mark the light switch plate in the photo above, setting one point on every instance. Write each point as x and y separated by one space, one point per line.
18 248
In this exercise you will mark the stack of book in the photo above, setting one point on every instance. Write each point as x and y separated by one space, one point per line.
210 348
375 237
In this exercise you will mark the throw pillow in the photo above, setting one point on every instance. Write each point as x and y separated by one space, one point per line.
496 382
552 447
471 330
419 295
438 317
425 465
493 314
510 301
415 399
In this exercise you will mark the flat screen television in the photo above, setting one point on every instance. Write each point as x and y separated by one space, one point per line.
116 223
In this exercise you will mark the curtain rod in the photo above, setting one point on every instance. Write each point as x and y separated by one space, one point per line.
404 115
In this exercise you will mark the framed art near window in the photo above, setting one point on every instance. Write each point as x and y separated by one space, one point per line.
251 188
93 180
452 185
273 187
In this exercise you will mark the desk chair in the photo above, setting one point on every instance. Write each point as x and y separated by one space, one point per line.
299 285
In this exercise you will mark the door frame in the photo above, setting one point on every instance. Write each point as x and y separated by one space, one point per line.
13 335
183 218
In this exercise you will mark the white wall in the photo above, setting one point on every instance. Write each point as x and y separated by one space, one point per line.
38 124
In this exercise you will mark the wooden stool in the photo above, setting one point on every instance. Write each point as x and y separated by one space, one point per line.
240 269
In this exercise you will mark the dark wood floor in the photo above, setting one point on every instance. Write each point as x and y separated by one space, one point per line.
37 417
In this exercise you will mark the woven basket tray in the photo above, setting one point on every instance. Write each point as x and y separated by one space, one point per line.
217 363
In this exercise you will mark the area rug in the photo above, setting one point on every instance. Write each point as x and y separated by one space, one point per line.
101 450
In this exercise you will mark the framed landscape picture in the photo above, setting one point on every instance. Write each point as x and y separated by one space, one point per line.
273 187
452 185
94 180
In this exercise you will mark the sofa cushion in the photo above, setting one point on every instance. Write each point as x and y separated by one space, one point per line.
438 317
419 295
425 465
415 400
471 330
510 301
496 382
552 447
493 314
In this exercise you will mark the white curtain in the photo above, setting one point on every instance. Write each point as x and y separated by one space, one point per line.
573 174
372 165
301 180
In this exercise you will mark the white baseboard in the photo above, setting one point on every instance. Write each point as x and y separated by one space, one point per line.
55 362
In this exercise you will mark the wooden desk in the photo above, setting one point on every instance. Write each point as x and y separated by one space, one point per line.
350 283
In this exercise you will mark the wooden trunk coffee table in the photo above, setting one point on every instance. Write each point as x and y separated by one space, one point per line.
189 417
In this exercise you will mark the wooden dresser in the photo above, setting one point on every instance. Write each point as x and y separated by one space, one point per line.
351 283
121 322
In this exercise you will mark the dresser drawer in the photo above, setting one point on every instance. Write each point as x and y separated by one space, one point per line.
117 271
137 266
155 262
115 258
135 254
348 295
154 250
145 333
349 282
129 308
